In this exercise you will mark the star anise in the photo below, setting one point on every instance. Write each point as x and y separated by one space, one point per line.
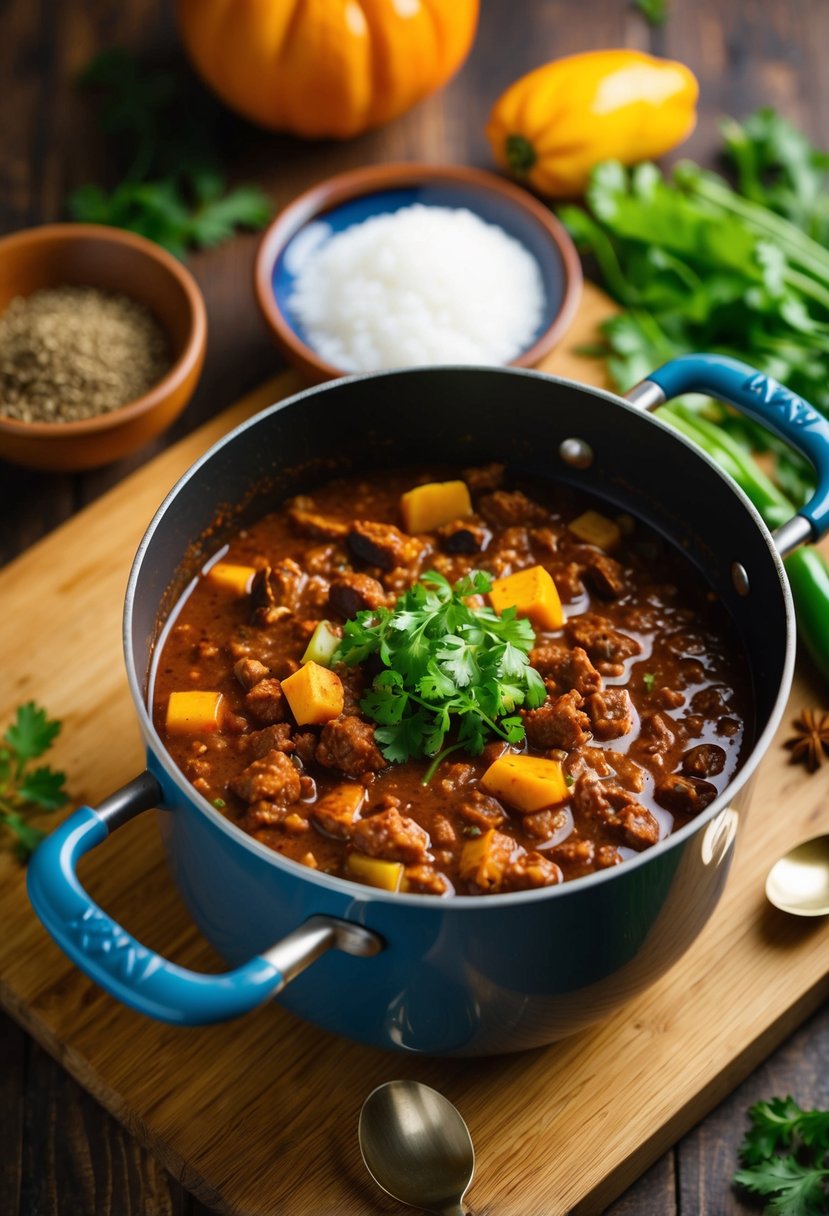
810 741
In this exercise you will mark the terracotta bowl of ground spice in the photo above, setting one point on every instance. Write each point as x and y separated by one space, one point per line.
102 340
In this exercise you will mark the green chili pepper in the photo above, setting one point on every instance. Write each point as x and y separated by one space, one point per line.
807 567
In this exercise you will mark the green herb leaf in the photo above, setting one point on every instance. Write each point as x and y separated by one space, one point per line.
32 732
24 789
447 667
655 12
45 788
798 1189
172 190
784 1153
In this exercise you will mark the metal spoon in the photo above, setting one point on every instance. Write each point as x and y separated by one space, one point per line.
417 1147
799 881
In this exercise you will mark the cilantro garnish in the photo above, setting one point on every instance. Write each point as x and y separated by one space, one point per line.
785 1155
649 679
23 788
449 664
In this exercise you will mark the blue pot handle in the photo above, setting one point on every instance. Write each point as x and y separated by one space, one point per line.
760 397
138 976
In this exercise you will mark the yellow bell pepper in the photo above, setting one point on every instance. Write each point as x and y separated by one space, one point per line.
551 127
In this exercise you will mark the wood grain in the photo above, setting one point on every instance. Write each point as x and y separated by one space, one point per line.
238 1111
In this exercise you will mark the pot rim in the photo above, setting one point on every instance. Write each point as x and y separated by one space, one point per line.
344 886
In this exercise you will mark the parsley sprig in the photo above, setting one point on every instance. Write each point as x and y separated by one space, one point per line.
785 1158
449 663
24 788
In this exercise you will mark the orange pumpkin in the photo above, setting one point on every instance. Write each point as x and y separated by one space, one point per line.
325 68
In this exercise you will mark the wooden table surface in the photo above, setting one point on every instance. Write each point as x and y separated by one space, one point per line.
59 1151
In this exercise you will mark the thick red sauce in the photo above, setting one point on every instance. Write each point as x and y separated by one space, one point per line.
647 704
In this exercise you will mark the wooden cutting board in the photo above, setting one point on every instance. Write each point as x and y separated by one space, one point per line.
259 1117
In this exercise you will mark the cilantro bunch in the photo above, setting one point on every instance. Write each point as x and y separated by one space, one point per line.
699 264
172 187
449 663
785 1158
23 788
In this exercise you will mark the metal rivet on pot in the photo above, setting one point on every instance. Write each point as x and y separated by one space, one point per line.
576 453
739 578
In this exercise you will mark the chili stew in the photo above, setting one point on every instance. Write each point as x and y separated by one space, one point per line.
445 683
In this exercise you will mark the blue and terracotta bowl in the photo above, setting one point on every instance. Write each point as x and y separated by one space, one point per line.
339 202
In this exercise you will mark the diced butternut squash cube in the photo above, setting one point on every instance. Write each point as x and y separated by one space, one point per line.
334 812
526 783
233 578
383 874
438 502
322 645
484 859
596 529
314 694
194 713
532 593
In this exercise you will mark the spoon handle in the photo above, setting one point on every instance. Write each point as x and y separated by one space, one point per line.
454 1209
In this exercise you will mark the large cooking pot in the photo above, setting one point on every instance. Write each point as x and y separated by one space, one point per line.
419 973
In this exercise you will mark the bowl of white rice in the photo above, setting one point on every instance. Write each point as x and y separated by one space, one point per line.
412 265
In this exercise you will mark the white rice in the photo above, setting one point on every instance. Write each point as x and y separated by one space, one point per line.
420 285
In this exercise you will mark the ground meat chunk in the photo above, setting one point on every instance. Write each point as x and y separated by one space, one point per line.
606 646
320 527
442 831
383 545
636 826
684 795
605 575
262 815
266 702
577 855
668 698
481 811
557 723
596 798
594 759
657 734
545 538
529 870
710 702
494 750
249 672
391 836
347 743
275 591
463 536
704 760
305 746
567 578
568 668
351 593
425 880
607 855
484 478
611 713
543 825
353 680
629 773
275 738
508 508
272 779
454 777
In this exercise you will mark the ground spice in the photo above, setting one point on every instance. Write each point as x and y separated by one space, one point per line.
68 353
